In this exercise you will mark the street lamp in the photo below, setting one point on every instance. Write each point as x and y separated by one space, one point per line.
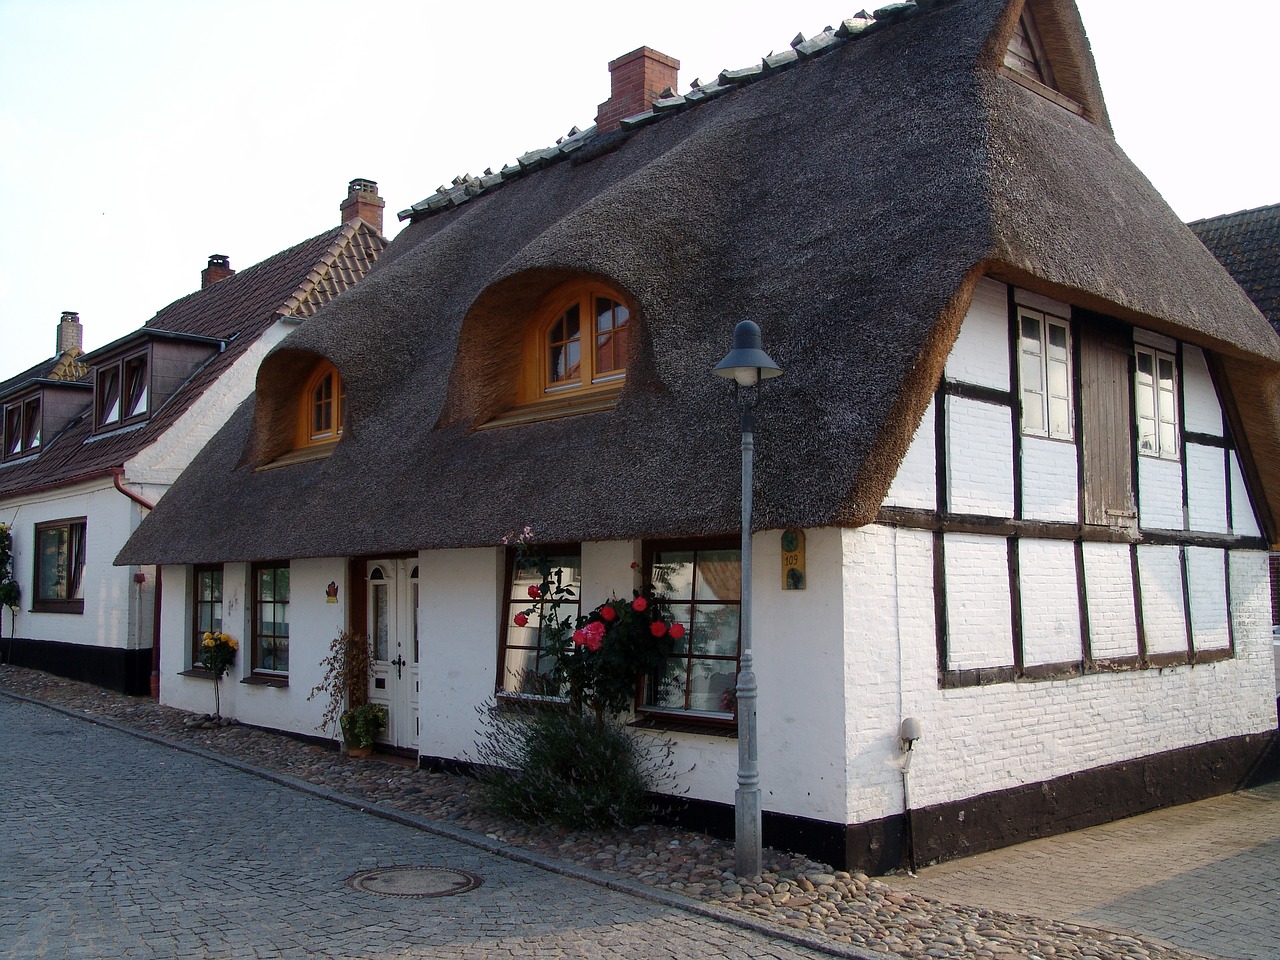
747 364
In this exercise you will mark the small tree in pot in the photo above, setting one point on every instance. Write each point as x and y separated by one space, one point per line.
346 686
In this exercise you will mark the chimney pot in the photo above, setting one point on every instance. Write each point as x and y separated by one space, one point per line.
363 203
636 79
70 334
219 268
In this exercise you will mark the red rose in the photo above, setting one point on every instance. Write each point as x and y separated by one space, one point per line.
521 619
657 628
593 635
579 638
677 631
534 592
639 604
634 565
608 614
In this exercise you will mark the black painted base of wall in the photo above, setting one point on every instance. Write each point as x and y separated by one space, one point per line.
993 820
125 671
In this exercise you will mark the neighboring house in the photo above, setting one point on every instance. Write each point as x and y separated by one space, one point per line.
1019 451
92 440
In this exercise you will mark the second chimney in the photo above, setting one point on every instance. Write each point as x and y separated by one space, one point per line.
636 79
363 202
219 268
70 334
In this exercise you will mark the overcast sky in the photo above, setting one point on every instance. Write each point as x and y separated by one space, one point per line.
139 136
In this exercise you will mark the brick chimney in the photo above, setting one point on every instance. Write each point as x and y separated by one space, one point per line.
219 268
363 202
70 334
636 79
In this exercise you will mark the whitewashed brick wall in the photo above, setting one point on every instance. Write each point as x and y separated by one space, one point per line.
979 616
1163 619
1243 521
980 354
916 484
1206 489
1159 494
1202 410
1207 590
979 457
1050 490
1113 631
1050 604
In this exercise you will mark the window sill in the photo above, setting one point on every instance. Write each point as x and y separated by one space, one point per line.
308 454
680 723
57 606
263 680
198 673
566 405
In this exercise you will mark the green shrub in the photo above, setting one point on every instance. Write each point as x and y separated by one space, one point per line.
546 763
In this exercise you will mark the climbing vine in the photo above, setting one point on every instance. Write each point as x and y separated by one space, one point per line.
9 592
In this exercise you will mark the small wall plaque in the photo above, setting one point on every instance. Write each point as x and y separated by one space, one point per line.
793 560
331 593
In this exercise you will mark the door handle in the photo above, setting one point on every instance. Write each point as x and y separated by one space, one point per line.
399 663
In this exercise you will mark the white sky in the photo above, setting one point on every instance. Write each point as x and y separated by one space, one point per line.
139 136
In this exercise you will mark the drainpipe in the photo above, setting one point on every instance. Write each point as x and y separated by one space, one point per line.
117 475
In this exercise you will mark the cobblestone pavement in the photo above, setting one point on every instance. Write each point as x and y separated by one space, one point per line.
116 847
1205 876
840 913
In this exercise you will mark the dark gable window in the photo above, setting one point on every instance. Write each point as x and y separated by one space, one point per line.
59 567
206 607
271 618
22 428
702 581
122 392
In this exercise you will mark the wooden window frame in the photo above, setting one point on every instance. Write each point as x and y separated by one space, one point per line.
306 436
513 603
1171 451
20 417
131 405
536 386
199 624
259 636
1043 361
669 717
73 574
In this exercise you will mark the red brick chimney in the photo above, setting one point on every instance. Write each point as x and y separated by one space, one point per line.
363 202
636 79
219 268
70 334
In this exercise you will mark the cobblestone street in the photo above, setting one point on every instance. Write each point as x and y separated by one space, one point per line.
115 847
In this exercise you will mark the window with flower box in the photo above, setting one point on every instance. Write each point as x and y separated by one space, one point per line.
206 606
524 660
702 584
59 567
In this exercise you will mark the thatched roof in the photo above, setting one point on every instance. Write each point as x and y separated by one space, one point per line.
846 202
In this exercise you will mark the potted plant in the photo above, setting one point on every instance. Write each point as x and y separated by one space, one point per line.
345 686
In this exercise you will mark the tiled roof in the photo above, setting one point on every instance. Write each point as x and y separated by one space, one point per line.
236 310
41 370
1248 244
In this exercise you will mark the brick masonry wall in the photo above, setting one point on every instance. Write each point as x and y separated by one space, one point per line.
979 457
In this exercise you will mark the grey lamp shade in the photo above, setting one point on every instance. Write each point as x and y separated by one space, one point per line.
747 362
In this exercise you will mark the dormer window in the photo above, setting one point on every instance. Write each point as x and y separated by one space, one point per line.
575 349
322 408
122 392
22 428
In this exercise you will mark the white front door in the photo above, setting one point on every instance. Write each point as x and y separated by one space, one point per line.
393 629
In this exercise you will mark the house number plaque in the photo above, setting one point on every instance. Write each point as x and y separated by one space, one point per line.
793 559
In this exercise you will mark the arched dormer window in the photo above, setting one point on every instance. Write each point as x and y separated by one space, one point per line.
575 345
322 407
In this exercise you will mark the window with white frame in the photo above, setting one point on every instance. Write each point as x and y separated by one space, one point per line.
525 659
1155 388
1044 374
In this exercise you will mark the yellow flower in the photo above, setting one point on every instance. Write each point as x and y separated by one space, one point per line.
207 642
208 636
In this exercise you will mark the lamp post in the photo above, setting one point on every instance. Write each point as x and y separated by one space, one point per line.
747 364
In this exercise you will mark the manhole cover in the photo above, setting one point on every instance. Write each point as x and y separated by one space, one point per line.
414 881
